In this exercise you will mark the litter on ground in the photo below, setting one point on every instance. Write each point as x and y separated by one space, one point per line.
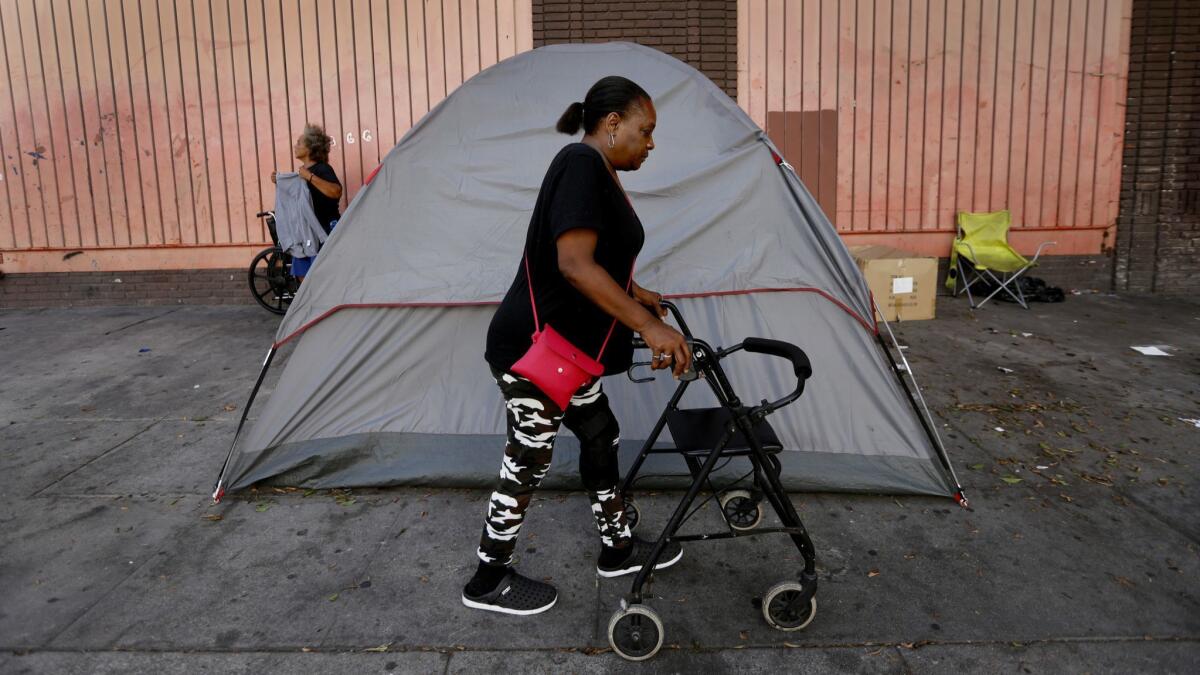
1152 350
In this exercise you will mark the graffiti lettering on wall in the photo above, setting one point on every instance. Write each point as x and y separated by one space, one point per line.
366 137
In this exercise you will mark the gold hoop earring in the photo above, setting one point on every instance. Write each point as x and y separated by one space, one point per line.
612 140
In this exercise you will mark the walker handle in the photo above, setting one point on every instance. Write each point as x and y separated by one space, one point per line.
786 350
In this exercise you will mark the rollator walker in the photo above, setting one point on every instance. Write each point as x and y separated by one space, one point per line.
704 437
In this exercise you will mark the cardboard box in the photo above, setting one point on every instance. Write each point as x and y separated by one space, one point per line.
904 285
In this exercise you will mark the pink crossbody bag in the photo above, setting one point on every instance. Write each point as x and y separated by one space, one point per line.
552 363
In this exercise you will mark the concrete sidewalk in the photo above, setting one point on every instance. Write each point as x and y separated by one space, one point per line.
1080 554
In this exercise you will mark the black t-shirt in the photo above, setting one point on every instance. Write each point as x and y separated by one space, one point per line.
325 208
578 191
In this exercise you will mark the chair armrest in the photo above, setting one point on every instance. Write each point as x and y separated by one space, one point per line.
1041 246
970 248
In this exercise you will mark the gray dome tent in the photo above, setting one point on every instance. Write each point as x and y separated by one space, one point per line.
387 384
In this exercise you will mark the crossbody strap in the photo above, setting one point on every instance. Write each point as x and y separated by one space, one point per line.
537 325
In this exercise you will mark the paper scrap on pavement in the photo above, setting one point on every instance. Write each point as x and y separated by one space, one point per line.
1195 423
1003 369
1150 350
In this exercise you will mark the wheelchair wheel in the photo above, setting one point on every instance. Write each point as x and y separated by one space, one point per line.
635 633
632 514
271 283
741 510
785 607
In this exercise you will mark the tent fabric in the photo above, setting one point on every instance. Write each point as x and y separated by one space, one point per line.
444 220
387 383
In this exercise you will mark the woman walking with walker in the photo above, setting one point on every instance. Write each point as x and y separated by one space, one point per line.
574 288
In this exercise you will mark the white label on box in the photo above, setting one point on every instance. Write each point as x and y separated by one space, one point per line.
902 285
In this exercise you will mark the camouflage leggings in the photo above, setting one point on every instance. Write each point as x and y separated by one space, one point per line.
533 421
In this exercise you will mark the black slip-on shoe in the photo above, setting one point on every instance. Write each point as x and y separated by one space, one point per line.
641 553
515 594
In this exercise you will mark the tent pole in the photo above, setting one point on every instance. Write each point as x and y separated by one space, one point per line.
787 169
921 408
219 488
918 403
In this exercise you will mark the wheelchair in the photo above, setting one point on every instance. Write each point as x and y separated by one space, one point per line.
270 273
704 437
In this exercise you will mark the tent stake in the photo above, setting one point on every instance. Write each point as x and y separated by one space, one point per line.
918 403
219 488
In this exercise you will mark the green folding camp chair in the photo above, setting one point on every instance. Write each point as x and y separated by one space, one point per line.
981 253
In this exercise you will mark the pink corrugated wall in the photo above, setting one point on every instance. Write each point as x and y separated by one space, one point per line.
142 133
899 113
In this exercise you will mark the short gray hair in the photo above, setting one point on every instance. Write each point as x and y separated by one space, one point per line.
317 141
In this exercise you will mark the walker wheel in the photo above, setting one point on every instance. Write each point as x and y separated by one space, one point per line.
635 633
785 608
741 510
632 514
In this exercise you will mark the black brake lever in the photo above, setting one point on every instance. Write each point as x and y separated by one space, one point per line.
636 379
688 375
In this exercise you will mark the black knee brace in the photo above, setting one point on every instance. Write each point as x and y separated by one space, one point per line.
597 430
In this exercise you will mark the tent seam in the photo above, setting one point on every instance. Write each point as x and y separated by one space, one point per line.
873 330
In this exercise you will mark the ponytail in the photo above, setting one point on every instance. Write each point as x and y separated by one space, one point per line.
571 120
609 94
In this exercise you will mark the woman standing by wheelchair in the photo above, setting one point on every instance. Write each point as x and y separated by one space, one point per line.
312 151
574 287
